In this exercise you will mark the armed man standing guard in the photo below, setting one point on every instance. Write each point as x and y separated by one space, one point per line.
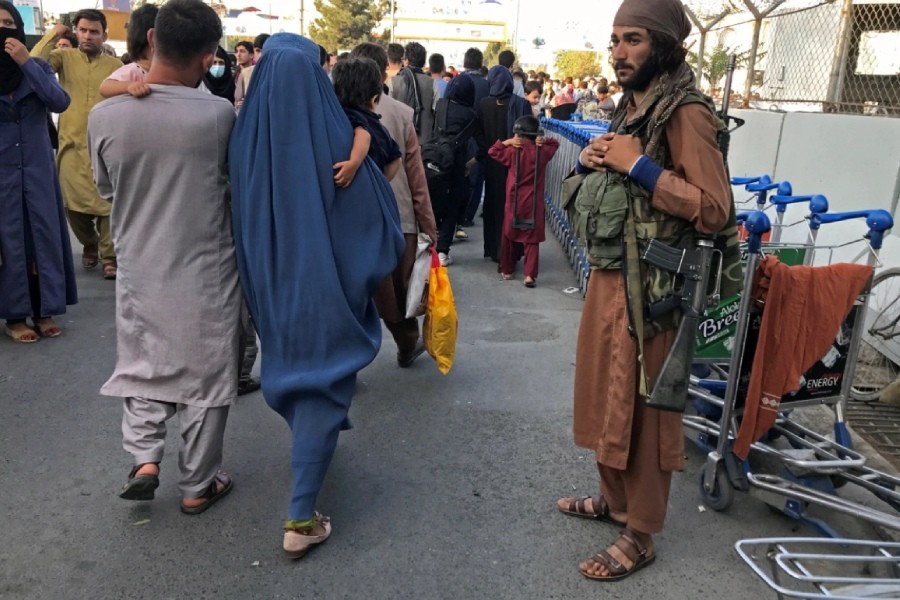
658 174
81 71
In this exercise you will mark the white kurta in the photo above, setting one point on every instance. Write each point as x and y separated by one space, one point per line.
161 160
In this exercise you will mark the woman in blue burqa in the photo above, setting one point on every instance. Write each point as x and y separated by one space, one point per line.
310 256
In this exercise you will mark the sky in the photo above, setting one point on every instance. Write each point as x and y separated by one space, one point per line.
570 23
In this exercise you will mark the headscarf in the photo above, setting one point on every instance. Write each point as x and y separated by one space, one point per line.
502 88
662 16
221 86
461 90
310 255
10 72
501 82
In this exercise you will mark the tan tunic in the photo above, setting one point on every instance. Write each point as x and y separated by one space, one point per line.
409 185
697 190
81 78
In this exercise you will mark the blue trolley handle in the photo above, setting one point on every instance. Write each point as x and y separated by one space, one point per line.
745 180
817 203
878 221
757 224
765 184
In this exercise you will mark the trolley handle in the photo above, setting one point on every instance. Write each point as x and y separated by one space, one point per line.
817 203
878 221
765 184
757 224
745 180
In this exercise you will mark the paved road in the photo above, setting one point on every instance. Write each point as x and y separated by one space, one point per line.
444 489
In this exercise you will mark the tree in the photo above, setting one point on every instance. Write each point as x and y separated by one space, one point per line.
345 23
577 63
492 53
715 63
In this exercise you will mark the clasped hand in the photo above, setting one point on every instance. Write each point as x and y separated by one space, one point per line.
612 151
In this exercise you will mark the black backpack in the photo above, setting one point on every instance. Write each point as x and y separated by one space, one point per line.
439 153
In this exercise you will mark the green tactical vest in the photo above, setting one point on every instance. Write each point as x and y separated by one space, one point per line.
598 216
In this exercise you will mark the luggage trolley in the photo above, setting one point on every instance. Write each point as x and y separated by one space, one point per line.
573 136
815 464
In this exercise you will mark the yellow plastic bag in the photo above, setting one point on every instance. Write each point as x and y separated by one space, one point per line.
439 331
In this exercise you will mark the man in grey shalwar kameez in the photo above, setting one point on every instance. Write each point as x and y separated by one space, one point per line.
161 160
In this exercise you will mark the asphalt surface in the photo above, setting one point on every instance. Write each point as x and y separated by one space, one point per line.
444 489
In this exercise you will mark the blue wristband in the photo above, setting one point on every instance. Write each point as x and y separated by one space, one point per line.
646 172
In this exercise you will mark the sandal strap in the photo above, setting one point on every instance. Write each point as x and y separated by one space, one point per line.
628 535
605 559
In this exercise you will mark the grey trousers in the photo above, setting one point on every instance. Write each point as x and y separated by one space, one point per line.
202 431
249 348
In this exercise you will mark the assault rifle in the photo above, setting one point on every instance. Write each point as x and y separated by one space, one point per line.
690 270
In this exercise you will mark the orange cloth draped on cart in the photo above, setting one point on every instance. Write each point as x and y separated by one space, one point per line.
804 309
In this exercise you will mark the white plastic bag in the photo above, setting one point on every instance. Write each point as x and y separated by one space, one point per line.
417 292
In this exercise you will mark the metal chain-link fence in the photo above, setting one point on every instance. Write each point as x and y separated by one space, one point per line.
822 55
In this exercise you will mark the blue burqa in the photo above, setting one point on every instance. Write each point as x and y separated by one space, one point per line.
310 255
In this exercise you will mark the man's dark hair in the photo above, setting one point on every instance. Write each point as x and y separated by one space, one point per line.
520 74
248 46
394 54
507 58
260 40
602 90
141 21
356 81
473 59
483 70
343 56
89 14
436 64
667 52
532 85
373 52
415 54
186 29
527 126
324 57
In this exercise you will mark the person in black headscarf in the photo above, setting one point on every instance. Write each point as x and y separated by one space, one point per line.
497 114
220 79
37 279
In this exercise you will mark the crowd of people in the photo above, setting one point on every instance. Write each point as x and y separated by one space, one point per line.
288 205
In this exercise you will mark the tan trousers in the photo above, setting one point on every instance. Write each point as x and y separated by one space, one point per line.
642 490
390 299
88 233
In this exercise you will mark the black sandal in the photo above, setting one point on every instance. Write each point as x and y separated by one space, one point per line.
140 487
577 507
211 495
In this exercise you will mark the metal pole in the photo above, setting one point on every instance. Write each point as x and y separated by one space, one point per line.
516 38
751 64
701 53
393 20
839 61
302 11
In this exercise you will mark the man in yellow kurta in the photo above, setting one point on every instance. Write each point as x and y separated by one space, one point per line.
81 70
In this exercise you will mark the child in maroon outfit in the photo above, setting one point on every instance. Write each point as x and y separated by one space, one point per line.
526 156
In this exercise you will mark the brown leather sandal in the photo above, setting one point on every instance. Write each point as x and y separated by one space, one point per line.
633 551
90 256
577 507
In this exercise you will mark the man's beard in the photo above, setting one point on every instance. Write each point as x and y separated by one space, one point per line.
640 78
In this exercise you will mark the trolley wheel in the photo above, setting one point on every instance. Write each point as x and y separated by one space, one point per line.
722 495
873 370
